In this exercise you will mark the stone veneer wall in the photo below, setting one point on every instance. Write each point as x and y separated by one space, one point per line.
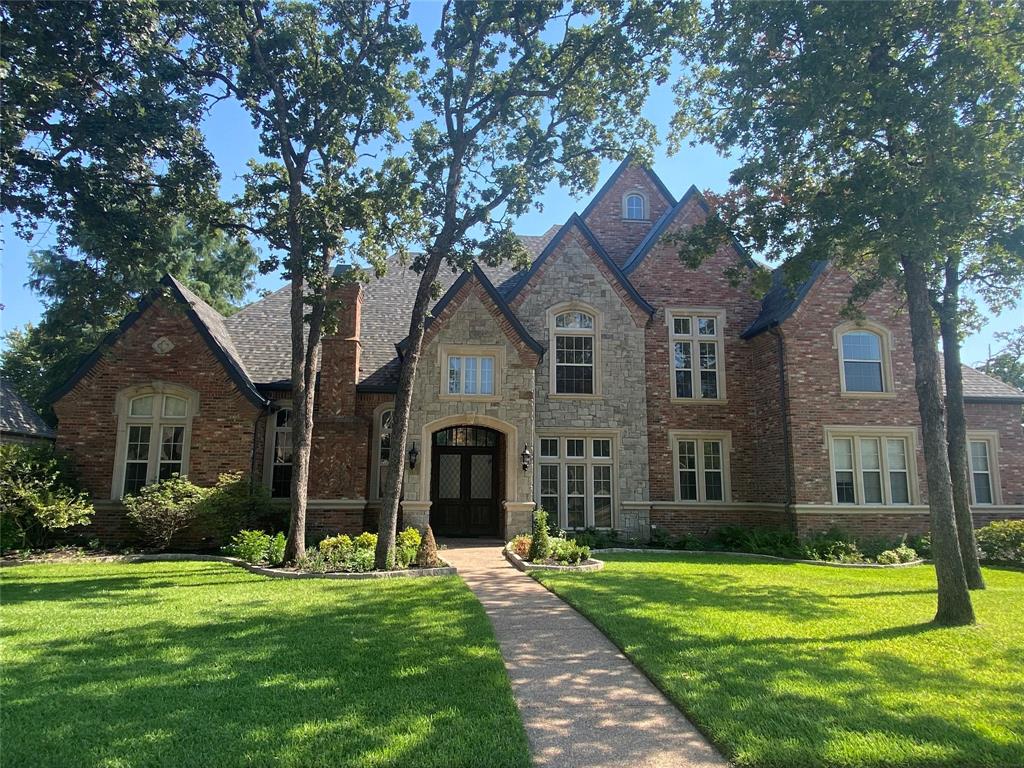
571 274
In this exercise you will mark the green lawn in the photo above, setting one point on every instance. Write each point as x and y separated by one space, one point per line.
205 664
799 665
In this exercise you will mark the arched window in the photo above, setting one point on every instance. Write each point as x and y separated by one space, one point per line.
575 353
383 449
281 454
862 362
155 438
635 207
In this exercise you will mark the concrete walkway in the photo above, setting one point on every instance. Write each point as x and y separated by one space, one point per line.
582 702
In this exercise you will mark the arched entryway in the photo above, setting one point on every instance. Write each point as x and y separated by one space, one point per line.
466 481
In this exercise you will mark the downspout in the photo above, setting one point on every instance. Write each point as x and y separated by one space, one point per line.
787 457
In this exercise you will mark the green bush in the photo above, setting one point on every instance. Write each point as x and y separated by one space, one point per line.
366 540
1002 541
900 554
686 541
568 552
760 541
275 551
521 545
250 546
38 496
360 562
659 537
313 562
235 502
164 508
921 544
540 543
337 548
833 546
407 544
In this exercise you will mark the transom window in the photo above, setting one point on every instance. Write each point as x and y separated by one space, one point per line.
574 358
701 467
981 458
862 362
281 455
575 480
636 208
156 440
470 375
871 469
695 345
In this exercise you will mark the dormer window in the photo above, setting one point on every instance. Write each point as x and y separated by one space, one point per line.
635 207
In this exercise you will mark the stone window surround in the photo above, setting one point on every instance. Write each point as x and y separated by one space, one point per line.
375 464
122 401
991 437
588 435
701 435
646 218
268 444
595 332
885 345
719 338
908 434
497 351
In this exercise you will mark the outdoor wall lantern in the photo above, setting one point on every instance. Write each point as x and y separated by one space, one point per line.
413 455
526 456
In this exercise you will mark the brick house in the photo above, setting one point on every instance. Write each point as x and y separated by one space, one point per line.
644 392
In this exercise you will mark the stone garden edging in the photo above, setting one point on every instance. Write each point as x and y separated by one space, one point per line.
524 566
275 573
648 550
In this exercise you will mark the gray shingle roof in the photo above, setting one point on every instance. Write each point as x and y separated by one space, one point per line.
17 417
980 386
262 335
782 300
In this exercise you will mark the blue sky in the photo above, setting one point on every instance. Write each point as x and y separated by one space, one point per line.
233 142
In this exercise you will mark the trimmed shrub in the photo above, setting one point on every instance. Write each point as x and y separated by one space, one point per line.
833 546
521 545
407 544
900 554
540 543
365 540
360 561
38 496
235 502
1002 541
426 556
164 508
921 544
568 552
337 548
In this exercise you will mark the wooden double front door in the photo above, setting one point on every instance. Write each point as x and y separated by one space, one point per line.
465 482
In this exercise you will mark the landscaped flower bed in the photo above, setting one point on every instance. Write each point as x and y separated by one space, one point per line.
541 550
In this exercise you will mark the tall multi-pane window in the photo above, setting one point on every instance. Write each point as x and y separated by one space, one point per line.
871 469
636 208
155 440
470 375
574 337
575 479
695 347
281 455
981 471
862 362
383 449
700 468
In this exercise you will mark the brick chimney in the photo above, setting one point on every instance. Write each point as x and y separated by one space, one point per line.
339 366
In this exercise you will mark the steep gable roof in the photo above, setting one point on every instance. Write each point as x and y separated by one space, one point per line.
576 222
782 300
208 323
627 161
17 417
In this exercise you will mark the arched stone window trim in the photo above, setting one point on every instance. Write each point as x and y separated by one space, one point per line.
151 416
635 206
377 464
884 337
554 334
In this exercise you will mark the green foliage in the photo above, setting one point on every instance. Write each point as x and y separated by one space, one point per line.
365 540
38 496
833 546
540 542
162 509
762 541
257 547
313 561
569 552
1008 363
595 538
921 544
1002 541
337 548
901 554
686 541
427 557
407 545
659 537
520 545
234 502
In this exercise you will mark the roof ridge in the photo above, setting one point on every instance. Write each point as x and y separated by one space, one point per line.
628 160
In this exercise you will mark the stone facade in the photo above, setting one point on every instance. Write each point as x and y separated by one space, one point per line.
780 388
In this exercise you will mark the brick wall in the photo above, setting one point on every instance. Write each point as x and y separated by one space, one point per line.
885 525
620 236
704 521
1004 419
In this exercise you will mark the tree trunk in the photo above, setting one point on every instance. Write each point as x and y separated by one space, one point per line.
956 427
954 600
387 523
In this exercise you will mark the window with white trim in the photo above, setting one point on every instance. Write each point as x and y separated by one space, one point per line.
980 456
156 439
575 481
635 207
471 374
574 360
871 469
862 361
696 341
281 454
701 462
384 422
